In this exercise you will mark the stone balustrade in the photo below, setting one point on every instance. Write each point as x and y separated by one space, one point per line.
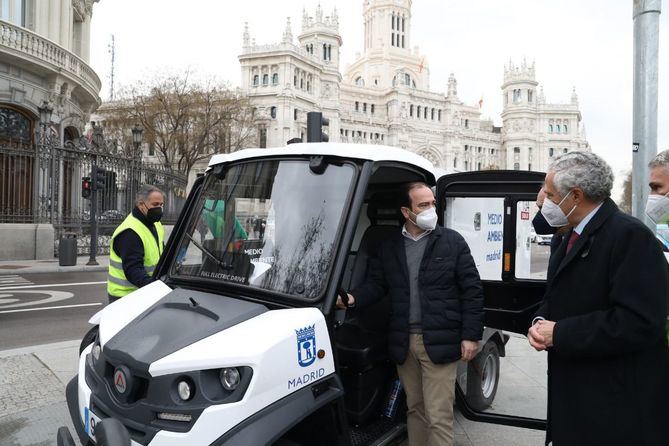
26 44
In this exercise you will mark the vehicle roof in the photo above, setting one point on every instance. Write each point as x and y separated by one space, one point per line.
371 152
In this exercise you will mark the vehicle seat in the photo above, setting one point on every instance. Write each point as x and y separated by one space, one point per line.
362 339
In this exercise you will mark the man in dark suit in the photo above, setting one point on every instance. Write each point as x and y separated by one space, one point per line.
603 315
436 297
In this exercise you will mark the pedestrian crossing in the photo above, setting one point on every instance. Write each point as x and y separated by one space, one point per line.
12 280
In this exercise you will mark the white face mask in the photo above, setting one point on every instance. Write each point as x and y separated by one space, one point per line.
426 220
554 214
657 208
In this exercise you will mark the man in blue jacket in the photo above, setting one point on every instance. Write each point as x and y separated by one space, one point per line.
431 281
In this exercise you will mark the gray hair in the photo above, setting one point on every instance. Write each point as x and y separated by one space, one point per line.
660 160
146 190
584 170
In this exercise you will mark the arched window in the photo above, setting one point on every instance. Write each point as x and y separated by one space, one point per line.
466 165
308 87
455 163
439 116
325 52
359 81
392 22
295 114
550 128
272 112
372 108
357 106
411 110
551 152
564 128
275 79
402 41
407 79
466 123
392 39
265 80
302 84
557 128
516 166
565 150
329 52
425 112
418 110
15 127
256 79
433 114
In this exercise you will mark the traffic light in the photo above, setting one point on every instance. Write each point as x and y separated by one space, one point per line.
86 189
99 178
315 123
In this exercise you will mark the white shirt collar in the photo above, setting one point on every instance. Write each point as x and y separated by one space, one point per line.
408 235
581 226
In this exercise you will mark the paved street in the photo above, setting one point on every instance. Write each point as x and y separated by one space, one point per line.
44 308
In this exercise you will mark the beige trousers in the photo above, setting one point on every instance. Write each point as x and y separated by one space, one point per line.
430 391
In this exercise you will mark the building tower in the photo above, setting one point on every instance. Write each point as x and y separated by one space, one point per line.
387 24
519 116
320 37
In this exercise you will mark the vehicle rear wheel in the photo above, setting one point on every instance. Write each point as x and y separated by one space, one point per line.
483 377
89 338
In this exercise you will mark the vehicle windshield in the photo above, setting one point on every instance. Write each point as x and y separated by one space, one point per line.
268 224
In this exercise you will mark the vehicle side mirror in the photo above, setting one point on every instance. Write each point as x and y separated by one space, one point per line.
110 432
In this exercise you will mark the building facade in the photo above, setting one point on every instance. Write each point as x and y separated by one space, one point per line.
44 57
384 97
47 94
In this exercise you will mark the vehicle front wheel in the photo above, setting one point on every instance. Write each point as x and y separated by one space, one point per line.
483 377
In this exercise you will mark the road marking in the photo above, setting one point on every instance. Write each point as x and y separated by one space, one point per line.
54 296
51 308
14 280
51 285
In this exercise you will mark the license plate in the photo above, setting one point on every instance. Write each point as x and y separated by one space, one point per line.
90 421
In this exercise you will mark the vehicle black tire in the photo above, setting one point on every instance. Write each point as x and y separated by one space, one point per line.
483 377
89 338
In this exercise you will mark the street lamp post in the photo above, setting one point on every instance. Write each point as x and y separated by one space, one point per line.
137 133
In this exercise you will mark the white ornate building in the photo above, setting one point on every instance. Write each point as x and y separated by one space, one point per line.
44 64
44 56
384 97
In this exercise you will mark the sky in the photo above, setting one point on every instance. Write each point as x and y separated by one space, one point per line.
574 43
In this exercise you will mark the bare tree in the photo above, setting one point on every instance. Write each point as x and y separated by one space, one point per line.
626 199
185 121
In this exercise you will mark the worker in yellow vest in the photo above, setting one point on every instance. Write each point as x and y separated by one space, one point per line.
136 245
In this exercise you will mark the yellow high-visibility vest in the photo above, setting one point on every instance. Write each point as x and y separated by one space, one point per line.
117 284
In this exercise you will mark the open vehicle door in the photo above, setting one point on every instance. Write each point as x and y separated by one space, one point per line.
493 211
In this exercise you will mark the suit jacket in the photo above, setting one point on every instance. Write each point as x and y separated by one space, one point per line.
609 365
451 295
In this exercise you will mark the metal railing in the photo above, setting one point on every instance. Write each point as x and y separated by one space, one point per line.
43 184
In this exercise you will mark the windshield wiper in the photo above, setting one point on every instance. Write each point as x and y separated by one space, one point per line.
221 264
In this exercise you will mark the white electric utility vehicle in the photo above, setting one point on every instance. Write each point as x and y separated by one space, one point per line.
238 341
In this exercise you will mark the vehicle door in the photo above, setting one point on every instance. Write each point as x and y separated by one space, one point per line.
493 211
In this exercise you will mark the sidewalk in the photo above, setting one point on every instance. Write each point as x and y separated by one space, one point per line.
33 407
10 267
32 385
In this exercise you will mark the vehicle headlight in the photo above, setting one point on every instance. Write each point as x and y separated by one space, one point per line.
184 390
96 351
230 378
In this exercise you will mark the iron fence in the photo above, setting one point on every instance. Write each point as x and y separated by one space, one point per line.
42 183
